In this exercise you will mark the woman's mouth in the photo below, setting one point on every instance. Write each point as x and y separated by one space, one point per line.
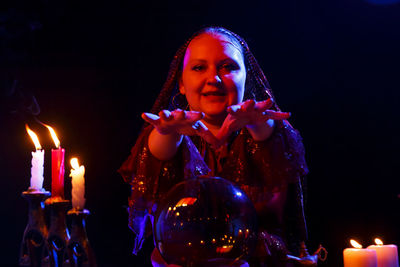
214 93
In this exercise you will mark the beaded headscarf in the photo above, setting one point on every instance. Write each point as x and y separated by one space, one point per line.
256 87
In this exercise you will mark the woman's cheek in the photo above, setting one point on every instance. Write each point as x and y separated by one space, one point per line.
236 78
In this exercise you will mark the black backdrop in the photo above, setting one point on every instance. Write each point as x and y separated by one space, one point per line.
94 66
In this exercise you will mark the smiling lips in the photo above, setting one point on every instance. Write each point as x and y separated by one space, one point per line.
214 93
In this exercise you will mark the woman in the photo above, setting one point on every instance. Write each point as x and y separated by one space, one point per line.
216 116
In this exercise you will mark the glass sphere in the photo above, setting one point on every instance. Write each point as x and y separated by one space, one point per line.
205 220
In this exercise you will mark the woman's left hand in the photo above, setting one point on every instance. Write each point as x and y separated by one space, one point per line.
251 114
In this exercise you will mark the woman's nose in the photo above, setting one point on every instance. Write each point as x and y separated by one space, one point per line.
214 78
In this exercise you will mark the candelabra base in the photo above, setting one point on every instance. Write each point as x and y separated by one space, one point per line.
58 235
35 234
79 250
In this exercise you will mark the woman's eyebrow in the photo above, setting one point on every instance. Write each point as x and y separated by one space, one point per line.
197 60
228 60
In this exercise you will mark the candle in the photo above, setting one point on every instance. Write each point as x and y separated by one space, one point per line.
359 257
37 162
57 167
386 254
78 185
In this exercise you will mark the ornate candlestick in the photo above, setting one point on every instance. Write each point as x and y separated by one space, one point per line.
58 235
33 241
79 250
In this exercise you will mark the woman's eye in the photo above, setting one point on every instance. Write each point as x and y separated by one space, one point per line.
198 68
230 67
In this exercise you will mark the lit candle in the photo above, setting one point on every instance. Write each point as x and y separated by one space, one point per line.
386 254
78 185
359 257
57 167
37 162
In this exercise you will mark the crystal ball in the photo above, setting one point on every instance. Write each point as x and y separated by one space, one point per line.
205 220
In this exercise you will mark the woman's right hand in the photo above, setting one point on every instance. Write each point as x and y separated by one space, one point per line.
176 121
180 122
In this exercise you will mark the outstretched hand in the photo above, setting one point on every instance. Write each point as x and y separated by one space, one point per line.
249 114
180 122
176 121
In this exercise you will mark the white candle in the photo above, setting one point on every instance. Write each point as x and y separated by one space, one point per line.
78 185
386 254
37 162
359 257
37 169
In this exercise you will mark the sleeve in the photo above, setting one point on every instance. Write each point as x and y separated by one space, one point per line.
274 174
280 158
290 164
283 158
150 178
141 170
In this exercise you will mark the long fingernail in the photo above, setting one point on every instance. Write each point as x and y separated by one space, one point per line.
234 108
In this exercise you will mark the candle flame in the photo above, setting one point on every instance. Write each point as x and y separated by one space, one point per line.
33 137
53 135
378 242
355 244
74 163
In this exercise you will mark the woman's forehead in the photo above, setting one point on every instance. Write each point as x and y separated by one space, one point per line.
211 42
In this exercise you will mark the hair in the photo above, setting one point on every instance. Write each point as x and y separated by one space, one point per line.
256 87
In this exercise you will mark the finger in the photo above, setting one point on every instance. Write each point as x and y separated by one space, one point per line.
248 105
165 115
206 134
193 116
234 109
264 105
277 115
150 118
200 126
178 114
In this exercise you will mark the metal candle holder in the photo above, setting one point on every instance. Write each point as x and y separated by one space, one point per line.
79 249
58 236
35 234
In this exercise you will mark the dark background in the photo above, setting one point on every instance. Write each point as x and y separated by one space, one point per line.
94 66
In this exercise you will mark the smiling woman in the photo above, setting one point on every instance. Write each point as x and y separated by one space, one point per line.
213 76
224 123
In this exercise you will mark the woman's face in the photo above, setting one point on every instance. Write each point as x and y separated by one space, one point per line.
213 76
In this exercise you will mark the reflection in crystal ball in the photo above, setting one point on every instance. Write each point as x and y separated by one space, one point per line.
205 220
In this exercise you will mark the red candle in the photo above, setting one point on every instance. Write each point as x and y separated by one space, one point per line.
57 167
57 172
